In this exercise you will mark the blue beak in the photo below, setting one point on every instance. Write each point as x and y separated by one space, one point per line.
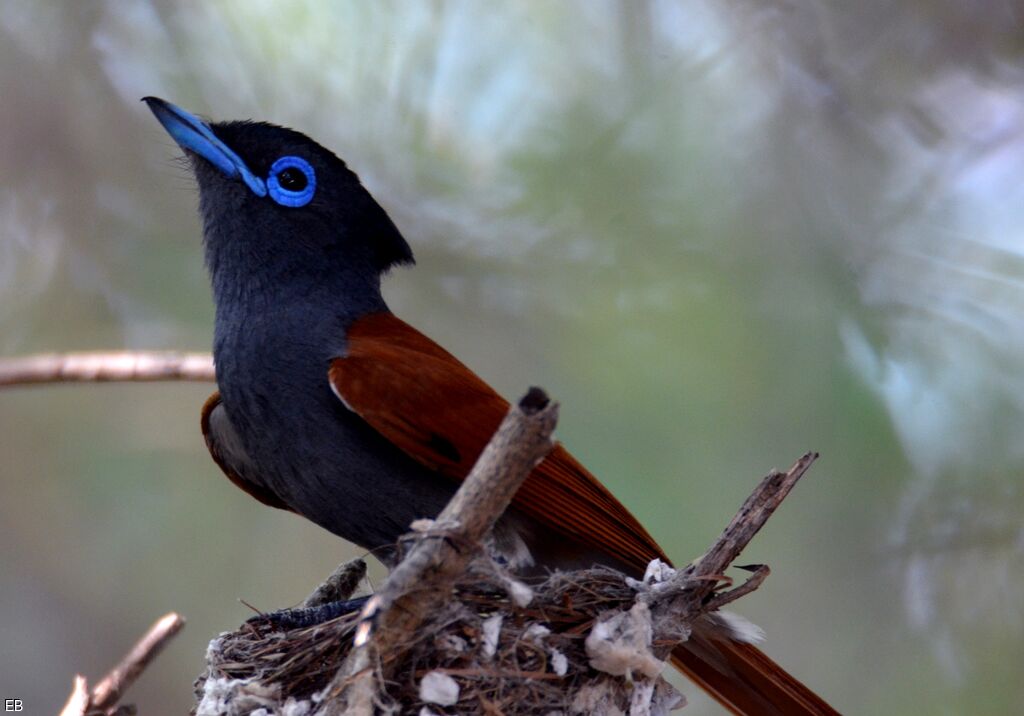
195 135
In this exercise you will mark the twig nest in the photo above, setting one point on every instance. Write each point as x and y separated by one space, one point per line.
482 653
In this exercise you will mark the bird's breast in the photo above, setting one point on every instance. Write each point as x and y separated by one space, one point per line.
310 450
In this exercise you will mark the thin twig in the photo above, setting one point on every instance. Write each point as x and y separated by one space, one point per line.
750 519
687 593
105 696
78 702
109 690
760 573
106 366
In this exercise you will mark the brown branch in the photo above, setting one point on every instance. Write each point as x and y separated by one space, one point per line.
104 697
689 592
106 366
78 702
422 582
751 517
760 573
109 690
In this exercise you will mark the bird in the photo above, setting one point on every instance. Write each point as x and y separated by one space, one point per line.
330 406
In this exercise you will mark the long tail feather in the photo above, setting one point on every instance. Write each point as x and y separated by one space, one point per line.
744 680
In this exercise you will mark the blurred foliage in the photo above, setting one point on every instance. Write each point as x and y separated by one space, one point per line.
720 233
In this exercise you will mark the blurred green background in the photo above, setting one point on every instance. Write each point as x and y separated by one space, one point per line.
720 233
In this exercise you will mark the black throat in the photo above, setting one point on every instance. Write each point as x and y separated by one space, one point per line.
283 306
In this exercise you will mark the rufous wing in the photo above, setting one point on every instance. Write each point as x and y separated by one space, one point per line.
226 451
439 412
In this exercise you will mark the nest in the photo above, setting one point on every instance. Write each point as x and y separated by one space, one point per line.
486 652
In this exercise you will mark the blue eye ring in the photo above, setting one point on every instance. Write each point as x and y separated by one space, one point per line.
293 197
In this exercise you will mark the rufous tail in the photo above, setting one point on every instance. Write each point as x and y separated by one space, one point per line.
744 680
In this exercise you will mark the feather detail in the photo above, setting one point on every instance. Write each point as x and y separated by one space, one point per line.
440 413
227 452
744 680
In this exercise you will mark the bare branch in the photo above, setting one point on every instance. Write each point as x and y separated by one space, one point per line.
760 573
78 702
689 592
105 696
751 517
109 690
422 582
106 366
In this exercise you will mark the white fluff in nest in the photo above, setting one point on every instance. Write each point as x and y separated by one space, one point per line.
646 698
536 633
596 699
438 688
657 572
621 645
236 696
491 630
654 698
451 644
296 708
520 594
559 662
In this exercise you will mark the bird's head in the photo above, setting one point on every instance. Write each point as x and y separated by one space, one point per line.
280 212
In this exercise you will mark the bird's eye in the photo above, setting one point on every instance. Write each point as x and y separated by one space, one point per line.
292 179
291 182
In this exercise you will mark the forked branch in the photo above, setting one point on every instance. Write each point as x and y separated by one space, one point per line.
106 695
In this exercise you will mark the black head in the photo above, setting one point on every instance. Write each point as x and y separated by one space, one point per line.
282 214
